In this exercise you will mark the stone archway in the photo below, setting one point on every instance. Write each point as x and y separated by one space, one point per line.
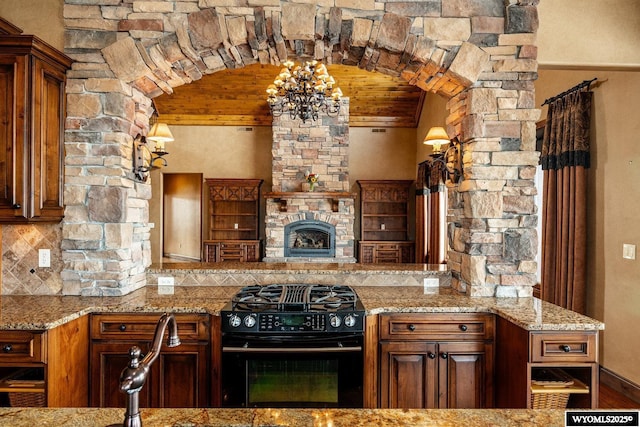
210 40
480 56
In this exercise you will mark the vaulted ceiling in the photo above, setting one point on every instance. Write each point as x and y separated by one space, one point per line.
238 98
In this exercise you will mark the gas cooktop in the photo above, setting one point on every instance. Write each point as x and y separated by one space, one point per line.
294 308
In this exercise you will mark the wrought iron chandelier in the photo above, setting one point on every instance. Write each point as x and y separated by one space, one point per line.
303 91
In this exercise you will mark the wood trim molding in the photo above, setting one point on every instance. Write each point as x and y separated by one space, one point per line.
620 384
7 27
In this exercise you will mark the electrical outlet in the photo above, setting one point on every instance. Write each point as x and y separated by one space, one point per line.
431 285
44 257
166 285
628 251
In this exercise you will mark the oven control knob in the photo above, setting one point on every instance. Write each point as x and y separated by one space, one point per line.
249 321
349 320
234 321
335 321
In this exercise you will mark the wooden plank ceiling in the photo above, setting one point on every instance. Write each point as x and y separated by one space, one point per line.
238 98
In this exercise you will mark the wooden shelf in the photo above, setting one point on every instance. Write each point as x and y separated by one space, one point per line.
384 222
578 387
233 220
333 196
310 195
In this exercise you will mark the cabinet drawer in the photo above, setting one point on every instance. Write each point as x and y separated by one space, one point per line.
231 246
22 346
564 347
439 326
142 326
386 247
387 256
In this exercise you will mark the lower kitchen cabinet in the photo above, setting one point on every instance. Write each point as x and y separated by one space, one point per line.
178 378
526 359
45 368
436 360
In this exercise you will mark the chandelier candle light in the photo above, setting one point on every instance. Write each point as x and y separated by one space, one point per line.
303 91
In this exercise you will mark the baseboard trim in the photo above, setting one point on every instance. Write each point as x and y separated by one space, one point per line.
620 384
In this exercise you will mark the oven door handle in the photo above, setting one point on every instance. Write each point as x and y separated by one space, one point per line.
291 349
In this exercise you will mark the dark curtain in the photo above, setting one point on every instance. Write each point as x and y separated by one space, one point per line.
430 203
565 160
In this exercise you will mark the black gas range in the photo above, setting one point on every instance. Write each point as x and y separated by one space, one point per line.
297 309
293 345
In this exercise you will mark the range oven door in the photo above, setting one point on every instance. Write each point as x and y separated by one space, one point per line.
302 372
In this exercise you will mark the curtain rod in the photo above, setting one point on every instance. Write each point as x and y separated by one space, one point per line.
579 86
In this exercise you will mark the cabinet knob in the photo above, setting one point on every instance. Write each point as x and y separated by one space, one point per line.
7 348
412 327
444 355
16 206
565 347
431 355
122 327
463 328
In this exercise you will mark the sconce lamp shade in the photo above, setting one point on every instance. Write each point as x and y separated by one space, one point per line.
437 136
160 132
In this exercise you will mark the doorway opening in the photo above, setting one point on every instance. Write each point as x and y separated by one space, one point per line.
182 216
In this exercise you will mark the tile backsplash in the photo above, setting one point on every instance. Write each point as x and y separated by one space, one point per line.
20 272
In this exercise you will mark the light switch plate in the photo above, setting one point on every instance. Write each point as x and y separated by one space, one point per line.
44 257
628 251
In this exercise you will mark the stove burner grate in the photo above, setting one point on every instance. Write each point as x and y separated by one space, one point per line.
295 297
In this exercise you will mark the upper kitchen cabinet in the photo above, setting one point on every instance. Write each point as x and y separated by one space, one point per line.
32 114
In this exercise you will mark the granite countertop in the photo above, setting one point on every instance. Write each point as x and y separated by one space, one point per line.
90 417
296 267
46 312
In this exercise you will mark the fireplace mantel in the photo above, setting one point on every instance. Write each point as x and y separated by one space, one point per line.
333 196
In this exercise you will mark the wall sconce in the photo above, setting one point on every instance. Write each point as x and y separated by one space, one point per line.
451 159
437 137
143 158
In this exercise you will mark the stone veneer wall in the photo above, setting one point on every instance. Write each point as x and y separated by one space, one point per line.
481 55
320 147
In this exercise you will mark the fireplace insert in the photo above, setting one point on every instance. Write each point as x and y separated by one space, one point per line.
309 238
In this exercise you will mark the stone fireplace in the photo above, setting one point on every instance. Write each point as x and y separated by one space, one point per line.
292 210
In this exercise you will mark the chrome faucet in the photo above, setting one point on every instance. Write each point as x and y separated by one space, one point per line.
135 374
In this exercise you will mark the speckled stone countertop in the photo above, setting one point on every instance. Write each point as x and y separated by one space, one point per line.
94 417
298 267
46 312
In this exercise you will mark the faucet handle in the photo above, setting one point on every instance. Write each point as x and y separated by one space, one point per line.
135 353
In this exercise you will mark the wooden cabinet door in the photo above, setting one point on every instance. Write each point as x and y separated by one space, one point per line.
464 374
13 106
107 362
32 115
47 142
179 377
408 373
